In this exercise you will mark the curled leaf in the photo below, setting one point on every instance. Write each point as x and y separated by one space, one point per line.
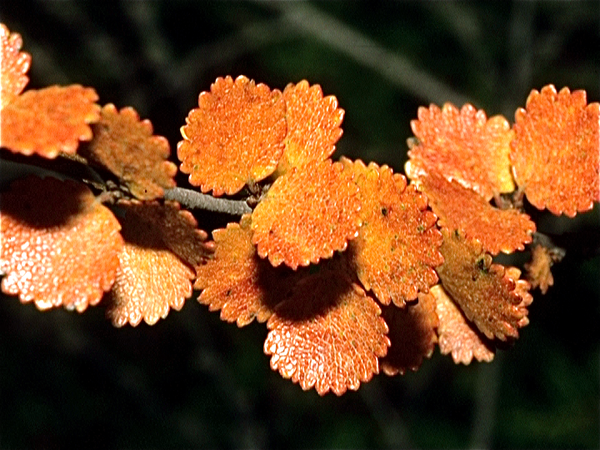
151 279
538 269
236 281
234 137
459 208
398 244
14 66
125 145
313 125
59 245
556 150
412 335
49 120
328 334
463 145
490 295
457 335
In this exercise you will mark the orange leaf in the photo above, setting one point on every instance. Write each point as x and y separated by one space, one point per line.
59 245
397 246
328 334
151 279
236 281
235 136
14 66
412 335
125 146
307 215
460 208
177 229
49 120
556 150
538 269
313 125
490 295
457 335
463 145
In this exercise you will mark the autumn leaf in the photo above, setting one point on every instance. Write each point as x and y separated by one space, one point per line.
151 279
462 145
538 269
235 136
236 281
177 228
306 215
313 125
556 151
398 244
328 334
125 145
490 295
49 120
460 208
457 335
14 66
412 335
59 245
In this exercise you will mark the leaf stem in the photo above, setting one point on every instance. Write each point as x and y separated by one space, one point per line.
196 200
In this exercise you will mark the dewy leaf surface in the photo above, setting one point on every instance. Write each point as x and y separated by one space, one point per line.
125 146
328 334
49 120
14 66
236 281
490 295
457 335
412 335
313 125
398 244
556 150
59 245
234 137
151 279
463 145
460 208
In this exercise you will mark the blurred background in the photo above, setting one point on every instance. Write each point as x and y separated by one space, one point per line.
192 381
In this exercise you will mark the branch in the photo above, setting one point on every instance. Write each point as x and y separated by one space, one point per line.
196 200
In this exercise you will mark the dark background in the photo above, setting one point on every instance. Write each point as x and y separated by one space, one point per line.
192 381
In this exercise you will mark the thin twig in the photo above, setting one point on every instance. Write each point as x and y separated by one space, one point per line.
196 200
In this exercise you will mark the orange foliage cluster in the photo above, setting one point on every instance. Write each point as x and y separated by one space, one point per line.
352 268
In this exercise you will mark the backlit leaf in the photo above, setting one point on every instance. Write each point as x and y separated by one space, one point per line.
328 334
125 146
49 120
307 215
151 279
14 66
398 244
59 245
236 281
460 208
463 145
490 295
556 150
235 136
412 335
457 335
313 125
